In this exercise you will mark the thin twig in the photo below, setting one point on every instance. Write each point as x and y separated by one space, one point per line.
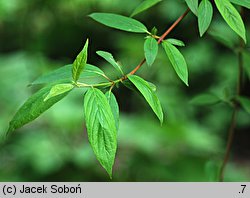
160 40
229 144
231 131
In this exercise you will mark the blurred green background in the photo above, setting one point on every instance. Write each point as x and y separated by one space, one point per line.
37 36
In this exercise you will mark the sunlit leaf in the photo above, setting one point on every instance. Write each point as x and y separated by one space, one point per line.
34 107
232 17
100 123
80 62
244 3
245 103
109 57
205 99
58 89
176 42
177 60
193 5
114 107
149 94
205 14
119 22
150 50
144 6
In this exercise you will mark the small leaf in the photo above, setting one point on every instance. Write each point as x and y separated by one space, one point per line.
58 89
80 62
33 108
64 75
144 6
100 123
119 22
205 99
193 5
245 103
114 107
176 42
150 50
244 3
205 14
177 60
109 57
232 17
148 94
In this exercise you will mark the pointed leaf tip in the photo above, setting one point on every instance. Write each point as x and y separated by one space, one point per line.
149 94
80 62
101 128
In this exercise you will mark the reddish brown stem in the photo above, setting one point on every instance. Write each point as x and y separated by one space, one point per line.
160 40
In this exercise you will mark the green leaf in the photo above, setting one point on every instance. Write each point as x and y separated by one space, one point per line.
176 42
114 107
244 3
149 94
80 62
205 99
59 89
109 57
177 60
100 122
64 75
33 108
119 22
144 6
150 50
232 17
245 103
205 14
193 5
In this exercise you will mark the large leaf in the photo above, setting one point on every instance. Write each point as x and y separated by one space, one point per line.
177 60
64 75
232 17
109 57
58 90
119 22
193 5
114 107
245 103
205 14
80 62
150 50
33 108
244 3
101 127
205 99
144 6
149 94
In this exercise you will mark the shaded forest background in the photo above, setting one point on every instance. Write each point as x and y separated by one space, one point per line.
42 35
